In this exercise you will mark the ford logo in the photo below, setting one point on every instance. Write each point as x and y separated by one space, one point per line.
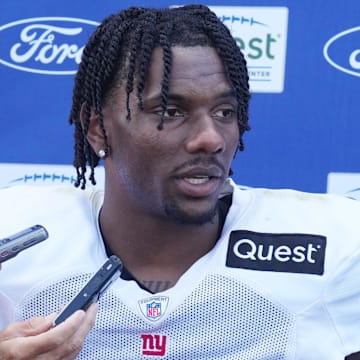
342 53
45 45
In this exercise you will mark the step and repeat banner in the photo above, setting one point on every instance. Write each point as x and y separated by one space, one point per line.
304 65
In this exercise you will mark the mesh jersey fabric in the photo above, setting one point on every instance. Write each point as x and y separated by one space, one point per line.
214 311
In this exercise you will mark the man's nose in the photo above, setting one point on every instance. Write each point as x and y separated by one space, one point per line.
205 136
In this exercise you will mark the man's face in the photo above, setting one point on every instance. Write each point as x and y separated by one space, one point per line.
174 174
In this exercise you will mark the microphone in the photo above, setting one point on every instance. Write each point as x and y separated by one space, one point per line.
22 240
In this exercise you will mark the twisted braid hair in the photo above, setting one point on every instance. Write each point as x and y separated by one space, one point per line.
119 53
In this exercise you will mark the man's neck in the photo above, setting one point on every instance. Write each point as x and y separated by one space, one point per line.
156 253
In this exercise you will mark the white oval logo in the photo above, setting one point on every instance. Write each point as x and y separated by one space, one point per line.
45 45
353 193
349 61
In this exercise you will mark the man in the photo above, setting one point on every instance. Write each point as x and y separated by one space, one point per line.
210 271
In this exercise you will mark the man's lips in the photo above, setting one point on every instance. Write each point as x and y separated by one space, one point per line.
199 182
199 187
200 172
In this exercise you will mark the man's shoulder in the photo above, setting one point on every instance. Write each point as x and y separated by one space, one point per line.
39 193
317 210
328 201
300 197
35 203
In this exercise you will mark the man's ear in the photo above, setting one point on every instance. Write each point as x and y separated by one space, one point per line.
94 134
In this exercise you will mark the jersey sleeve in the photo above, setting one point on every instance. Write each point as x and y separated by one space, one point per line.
342 299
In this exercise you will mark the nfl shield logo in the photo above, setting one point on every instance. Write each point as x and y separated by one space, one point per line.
154 308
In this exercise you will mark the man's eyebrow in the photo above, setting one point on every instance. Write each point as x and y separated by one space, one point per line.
157 98
227 94
181 98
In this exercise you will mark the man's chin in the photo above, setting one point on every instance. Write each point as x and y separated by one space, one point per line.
183 217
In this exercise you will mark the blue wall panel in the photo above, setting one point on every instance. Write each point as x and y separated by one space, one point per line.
298 135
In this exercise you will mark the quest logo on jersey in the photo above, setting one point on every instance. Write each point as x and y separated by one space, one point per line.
342 53
295 253
45 45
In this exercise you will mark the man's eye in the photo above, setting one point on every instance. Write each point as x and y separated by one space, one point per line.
225 113
172 113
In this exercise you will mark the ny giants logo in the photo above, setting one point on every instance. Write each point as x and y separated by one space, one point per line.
49 45
154 345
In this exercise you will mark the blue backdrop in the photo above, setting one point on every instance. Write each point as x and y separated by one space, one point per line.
301 131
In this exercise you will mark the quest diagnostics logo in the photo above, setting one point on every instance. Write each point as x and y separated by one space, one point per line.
342 51
295 253
261 34
46 45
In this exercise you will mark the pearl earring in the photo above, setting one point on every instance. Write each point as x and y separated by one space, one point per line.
101 153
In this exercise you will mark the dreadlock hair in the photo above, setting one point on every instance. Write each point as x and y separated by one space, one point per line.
119 53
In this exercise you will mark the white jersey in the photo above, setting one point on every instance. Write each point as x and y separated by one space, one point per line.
282 282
